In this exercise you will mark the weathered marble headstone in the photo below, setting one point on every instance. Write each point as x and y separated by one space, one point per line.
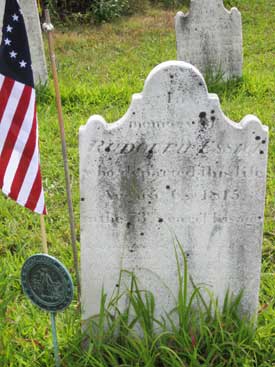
210 37
174 165
29 8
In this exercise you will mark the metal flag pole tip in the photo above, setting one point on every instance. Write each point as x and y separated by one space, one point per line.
48 284
47 27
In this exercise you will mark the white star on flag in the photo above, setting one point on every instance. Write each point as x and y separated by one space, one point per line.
13 55
22 64
7 41
9 28
15 17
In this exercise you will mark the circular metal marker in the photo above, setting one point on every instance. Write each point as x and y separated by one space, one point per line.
47 282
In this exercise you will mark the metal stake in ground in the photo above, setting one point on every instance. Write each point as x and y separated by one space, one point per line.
55 341
48 284
48 27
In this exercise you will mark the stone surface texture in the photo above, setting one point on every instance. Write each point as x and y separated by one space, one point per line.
173 166
210 38
29 8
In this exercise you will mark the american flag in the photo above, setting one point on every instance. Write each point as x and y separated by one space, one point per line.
20 176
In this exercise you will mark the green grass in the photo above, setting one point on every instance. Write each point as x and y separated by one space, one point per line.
99 70
193 334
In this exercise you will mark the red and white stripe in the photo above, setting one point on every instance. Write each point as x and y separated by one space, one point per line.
20 176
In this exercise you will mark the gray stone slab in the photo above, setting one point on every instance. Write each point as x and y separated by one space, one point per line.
173 165
29 8
210 37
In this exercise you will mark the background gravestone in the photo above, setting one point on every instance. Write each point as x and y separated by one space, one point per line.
173 165
210 37
30 12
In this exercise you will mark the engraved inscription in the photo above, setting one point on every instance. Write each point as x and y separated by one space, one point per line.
203 195
181 147
189 171
200 218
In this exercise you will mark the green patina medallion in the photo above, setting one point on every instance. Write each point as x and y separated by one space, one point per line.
47 282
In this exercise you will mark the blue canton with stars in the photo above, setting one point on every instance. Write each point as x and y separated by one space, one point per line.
15 58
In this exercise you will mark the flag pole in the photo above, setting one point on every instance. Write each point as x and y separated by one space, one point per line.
43 234
48 27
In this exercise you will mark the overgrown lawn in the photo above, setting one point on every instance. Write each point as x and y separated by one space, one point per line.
99 70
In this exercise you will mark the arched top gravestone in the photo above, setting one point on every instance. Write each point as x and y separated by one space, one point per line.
210 37
174 165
